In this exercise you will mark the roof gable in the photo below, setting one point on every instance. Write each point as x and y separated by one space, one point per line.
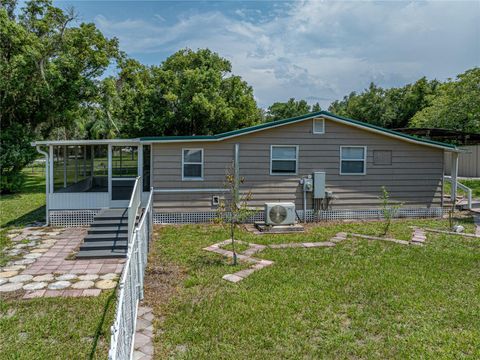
325 114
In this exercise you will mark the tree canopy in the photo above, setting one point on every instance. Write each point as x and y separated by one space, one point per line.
48 69
456 105
291 108
191 92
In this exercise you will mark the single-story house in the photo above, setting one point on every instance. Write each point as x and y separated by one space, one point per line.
187 173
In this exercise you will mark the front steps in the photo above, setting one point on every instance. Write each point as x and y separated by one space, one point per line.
107 236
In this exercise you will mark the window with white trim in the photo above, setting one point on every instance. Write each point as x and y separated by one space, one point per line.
283 159
192 164
319 126
353 160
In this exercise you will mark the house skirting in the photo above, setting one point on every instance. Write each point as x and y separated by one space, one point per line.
74 218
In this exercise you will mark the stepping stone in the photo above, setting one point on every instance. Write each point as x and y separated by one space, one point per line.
66 277
105 284
20 278
39 251
14 252
11 287
24 262
3 281
109 276
84 284
32 256
31 244
245 273
14 268
232 278
20 246
35 286
44 246
7 274
46 277
59 285
88 277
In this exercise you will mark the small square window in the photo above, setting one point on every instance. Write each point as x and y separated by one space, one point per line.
382 157
319 126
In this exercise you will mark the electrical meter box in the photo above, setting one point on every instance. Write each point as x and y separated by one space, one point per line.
308 184
319 185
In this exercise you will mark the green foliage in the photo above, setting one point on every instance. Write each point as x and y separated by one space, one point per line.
456 105
389 210
291 108
390 108
48 69
191 92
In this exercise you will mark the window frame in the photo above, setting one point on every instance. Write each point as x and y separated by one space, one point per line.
313 126
201 163
296 160
364 160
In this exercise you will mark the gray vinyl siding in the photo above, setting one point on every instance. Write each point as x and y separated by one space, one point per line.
414 178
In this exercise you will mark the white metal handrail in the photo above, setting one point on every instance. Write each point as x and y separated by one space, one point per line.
134 205
464 188
131 287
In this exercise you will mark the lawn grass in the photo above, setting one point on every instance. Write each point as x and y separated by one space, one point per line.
472 184
56 328
48 328
359 299
17 210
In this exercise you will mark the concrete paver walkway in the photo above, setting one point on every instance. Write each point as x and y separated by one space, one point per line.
40 265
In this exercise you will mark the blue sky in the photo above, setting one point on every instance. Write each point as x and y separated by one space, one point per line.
314 50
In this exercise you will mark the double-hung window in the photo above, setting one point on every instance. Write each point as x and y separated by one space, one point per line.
283 159
192 164
353 160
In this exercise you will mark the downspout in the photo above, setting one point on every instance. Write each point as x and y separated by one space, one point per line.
47 182
237 172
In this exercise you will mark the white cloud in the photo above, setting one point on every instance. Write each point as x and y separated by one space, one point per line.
321 50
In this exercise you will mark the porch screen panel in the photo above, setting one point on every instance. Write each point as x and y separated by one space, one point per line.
124 161
80 168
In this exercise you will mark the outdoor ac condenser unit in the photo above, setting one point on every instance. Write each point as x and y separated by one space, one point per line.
279 213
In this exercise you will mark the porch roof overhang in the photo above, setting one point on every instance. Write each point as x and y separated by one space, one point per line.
87 142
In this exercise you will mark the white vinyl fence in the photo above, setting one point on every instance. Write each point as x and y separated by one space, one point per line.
131 287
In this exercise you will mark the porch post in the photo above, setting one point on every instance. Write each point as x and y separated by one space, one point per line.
65 166
110 171
50 179
454 173
140 164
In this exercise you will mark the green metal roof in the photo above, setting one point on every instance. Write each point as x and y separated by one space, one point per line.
276 123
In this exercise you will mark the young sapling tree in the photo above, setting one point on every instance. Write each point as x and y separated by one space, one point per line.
389 209
233 209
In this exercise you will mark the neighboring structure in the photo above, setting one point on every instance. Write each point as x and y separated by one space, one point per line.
468 162
187 173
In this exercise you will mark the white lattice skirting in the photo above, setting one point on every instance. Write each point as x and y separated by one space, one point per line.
312 215
75 218
72 218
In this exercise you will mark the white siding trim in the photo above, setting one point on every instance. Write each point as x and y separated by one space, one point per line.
364 160
296 160
202 163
